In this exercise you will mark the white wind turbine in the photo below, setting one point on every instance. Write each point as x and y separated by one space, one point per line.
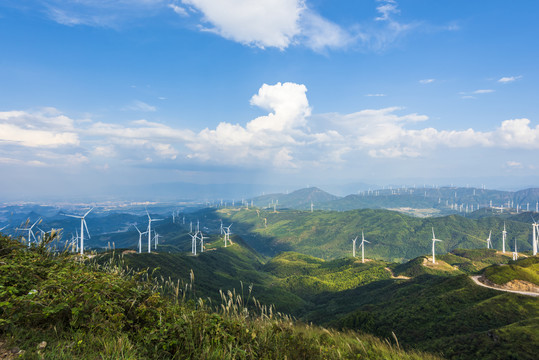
156 240
139 239
202 237
489 242
150 230
504 237
2 228
515 253
434 242
362 245
354 247
30 232
194 243
535 230
83 226
227 233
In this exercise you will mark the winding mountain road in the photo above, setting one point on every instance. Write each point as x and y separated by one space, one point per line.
476 280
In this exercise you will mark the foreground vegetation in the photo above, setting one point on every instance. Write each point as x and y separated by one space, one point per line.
86 311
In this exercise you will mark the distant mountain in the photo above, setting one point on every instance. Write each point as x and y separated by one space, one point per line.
299 199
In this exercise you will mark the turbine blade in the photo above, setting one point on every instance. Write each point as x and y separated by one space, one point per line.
86 227
88 212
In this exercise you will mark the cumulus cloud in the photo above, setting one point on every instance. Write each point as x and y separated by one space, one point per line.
509 79
44 128
262 138
264 23
426 81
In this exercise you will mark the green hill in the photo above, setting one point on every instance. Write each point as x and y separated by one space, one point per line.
449 315
299 199
393 236
525 269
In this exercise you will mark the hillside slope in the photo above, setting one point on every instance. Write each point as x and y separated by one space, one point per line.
56 307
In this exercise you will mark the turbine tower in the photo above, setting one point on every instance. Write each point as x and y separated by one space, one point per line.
515 253
83 226
30 232
434 242
535 230
504 237
362 245
150 230
139 239
354 247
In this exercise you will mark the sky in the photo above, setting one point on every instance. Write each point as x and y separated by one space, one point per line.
102 94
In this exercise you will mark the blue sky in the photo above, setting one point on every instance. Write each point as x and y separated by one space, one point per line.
100 93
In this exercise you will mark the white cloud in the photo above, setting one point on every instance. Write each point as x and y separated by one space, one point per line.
263 23
178 9
509 79
386 9
319 33
138 105
483 91
427 81
514 164
44 128
375 95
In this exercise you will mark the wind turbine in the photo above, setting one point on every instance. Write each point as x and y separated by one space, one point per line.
150 230
139 239
433 242
156 240
202 237
504 237
312 206
515 253
30 232
227 233
535 230
489 243
82 227
354 247
362 245
194 243
4 227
